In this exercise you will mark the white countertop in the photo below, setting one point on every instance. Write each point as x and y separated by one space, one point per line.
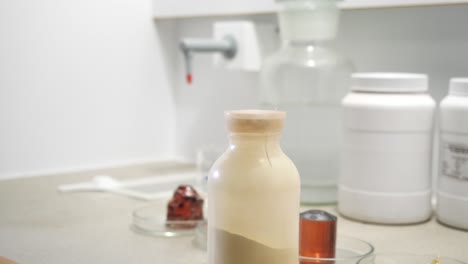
40 225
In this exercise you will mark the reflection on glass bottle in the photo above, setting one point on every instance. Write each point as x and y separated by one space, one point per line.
307 78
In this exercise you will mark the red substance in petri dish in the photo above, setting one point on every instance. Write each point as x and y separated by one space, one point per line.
186 204
317 236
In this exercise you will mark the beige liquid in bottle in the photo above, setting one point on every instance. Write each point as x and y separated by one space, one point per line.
253 189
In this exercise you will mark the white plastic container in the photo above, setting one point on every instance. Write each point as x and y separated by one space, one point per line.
253 194
386 154
452 193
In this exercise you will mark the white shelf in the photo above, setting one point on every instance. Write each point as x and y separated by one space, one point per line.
163 9
367 4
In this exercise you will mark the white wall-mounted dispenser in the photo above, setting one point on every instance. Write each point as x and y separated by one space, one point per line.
227 46
237 45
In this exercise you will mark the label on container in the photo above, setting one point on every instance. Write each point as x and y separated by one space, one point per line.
455 160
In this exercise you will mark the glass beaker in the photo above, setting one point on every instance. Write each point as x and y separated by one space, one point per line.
349 250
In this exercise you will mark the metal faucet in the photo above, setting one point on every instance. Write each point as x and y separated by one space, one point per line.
226 46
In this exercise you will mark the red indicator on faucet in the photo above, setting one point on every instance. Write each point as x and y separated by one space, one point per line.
189 78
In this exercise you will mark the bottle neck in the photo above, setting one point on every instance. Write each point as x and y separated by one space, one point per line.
308 20
255 141
309 44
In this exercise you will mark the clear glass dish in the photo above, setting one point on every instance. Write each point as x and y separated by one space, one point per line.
348 250
407 258
151 220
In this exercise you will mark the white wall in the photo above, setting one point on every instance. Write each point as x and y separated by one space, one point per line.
87 83
82 84
432 40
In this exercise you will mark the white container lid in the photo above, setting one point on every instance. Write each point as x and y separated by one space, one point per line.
382 82
458 86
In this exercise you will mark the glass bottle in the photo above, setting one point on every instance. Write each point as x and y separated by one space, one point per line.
253 189
307 78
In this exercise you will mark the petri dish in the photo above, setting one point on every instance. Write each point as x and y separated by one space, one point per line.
407 258
348 250
151 221
200 240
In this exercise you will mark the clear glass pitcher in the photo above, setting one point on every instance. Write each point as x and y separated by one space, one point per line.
307 78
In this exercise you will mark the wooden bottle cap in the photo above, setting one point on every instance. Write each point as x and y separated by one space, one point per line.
255 121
